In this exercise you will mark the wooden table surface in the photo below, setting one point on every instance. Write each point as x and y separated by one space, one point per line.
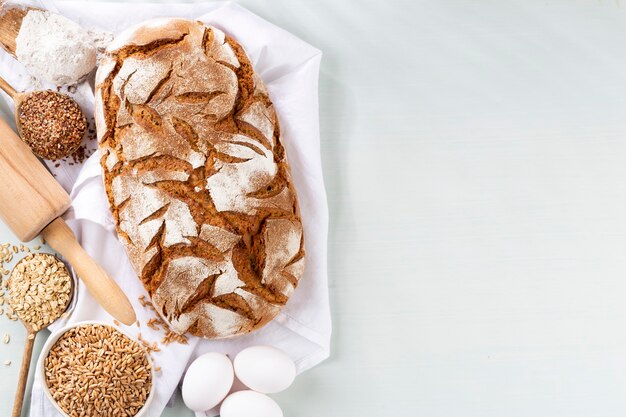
474 160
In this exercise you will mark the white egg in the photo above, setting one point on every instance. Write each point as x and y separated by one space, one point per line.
249 404
207 381
265 369
237 386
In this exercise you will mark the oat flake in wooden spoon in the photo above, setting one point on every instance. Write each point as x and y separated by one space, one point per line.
40 289
50 123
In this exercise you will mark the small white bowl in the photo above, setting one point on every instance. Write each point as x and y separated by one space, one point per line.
53 339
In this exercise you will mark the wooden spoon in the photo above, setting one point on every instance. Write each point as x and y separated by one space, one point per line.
28 346
10 23
15 95
42 144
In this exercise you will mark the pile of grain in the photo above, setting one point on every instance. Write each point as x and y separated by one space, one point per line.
40 288
94 370
52 124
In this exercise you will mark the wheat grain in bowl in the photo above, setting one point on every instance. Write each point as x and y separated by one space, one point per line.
93 369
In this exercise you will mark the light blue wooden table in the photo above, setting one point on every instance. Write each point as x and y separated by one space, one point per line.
474 160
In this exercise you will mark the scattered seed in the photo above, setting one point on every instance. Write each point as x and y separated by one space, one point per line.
6 338
157 322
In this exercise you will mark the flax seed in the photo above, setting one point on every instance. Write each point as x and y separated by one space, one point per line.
52 124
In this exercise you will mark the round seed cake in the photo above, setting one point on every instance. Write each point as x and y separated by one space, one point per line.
197 177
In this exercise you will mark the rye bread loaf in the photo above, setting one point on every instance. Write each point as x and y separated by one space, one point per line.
197 177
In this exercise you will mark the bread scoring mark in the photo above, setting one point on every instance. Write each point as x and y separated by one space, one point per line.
235 303
160 86
227 65
248 145
198 248
144 51
203 291
299 256
254 133
159 213
282 240
187 132
157 239
226 158
111 159
291 279
155 161
221 238
271 189
146 117
125 81
246 267
152 270
151 177
207 40
195 97
259 116
215 46
118 208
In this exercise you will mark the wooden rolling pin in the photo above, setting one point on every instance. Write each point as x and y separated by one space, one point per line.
31 202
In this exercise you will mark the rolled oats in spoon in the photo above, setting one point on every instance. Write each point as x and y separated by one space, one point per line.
40 289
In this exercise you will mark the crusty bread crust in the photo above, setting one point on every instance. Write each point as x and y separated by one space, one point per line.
197 177
151 31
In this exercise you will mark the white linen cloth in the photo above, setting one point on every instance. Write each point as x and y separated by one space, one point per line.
290 69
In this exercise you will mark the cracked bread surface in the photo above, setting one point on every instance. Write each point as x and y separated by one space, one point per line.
197 177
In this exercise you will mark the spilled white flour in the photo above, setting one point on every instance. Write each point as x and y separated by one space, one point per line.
55 49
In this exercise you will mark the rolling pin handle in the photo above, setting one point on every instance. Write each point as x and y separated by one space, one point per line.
101 286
